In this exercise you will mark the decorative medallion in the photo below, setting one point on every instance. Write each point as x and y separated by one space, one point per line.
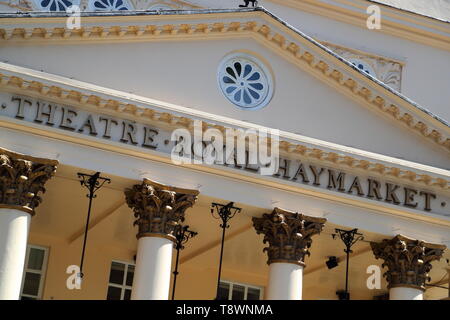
245 81
385 70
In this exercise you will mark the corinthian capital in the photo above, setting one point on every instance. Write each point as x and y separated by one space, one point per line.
288 234
408 260
22 180
158 208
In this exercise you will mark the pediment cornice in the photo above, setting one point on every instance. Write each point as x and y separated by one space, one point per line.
123 105
291 44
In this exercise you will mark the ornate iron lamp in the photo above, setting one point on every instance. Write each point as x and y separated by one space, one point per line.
349 237
182 234
225 213
93 182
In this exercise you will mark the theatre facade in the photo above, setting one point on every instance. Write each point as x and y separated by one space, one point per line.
301 163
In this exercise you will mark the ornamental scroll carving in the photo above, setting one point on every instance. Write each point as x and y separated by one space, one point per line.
22 180
158 208
408 260
387 71
288 235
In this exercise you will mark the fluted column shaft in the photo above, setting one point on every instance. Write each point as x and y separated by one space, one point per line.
158 209
408 263
289 237
22 180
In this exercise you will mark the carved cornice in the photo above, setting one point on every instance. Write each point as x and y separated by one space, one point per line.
174 120
158 208
386 70
22 5
408 260
22 180
297 48
288 234
398 22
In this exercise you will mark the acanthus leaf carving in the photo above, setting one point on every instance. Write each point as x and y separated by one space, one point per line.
408 261
158 209
22 180
288 235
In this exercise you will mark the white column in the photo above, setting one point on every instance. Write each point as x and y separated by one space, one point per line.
405 293
285 281
153 269
14 227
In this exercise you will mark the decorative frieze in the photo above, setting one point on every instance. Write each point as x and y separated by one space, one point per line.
387 71
158 208
22 180
288 235
408 260
319 63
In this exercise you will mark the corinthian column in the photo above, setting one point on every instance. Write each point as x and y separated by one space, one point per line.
22 180
289 237
408 262
158 209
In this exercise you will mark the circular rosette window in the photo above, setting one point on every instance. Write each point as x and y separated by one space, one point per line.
364 66
56 5
109 5
245 81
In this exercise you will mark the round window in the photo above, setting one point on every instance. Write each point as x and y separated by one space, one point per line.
55 5
364 66
245 81
109 5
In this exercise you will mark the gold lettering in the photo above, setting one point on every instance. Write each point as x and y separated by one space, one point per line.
21 106
149 134
316 175
332 180
89 122
284 168
128 132
409 197
67 118
356 184
374 189
247 164
40 113
301 171
390 193
428 196
108 124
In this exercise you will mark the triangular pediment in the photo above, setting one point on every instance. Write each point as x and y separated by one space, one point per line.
165 56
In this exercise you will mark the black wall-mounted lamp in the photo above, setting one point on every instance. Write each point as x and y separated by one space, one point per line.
332 262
